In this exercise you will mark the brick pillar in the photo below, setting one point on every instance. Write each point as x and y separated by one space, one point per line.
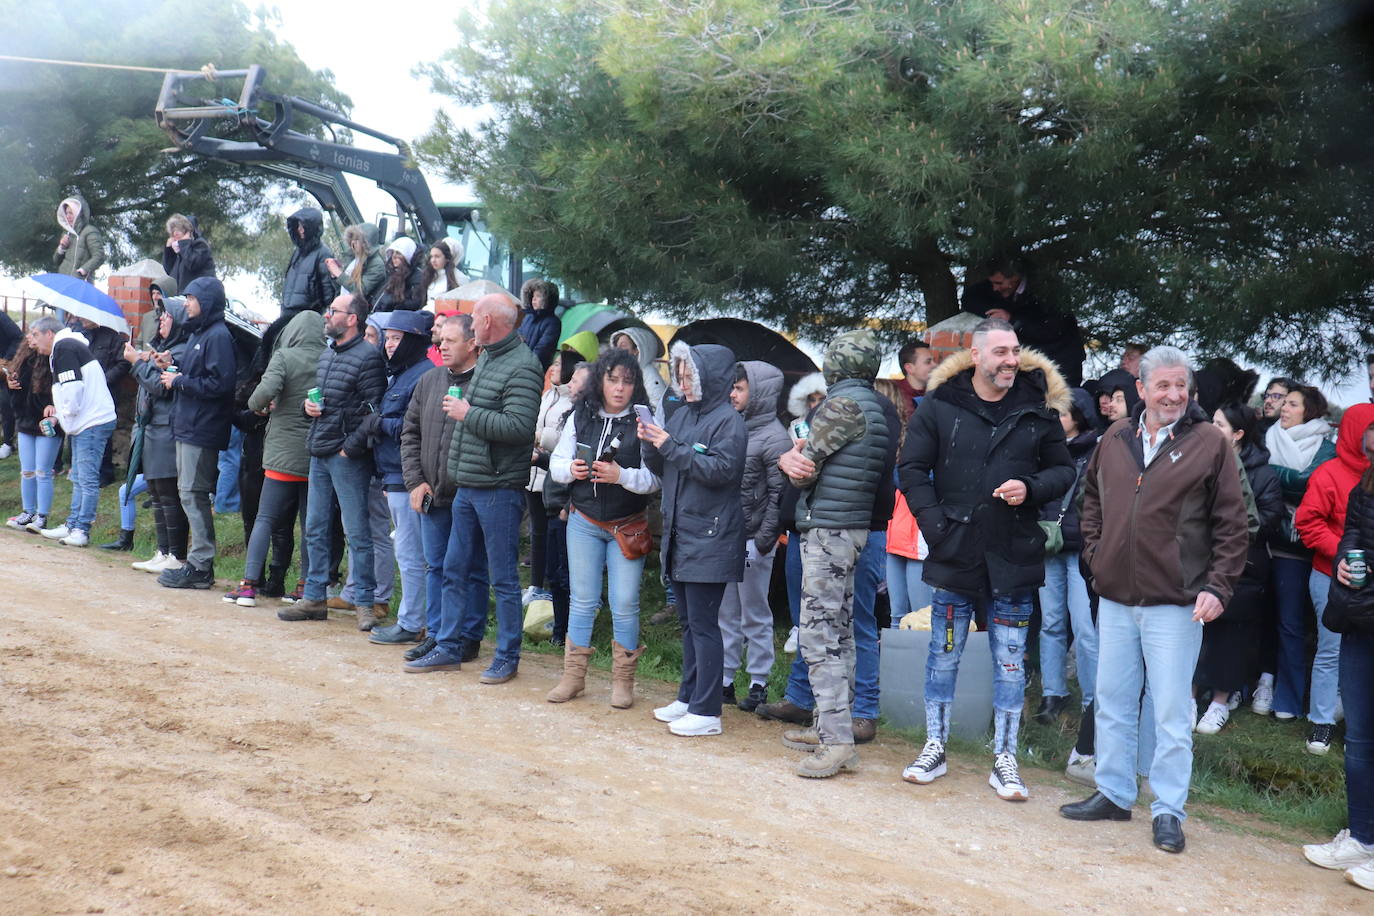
134 298
952 335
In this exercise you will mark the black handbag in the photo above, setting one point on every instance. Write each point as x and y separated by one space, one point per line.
1349 610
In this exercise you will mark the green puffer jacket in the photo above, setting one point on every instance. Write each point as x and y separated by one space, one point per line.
374 267
87 249
289 376
491 446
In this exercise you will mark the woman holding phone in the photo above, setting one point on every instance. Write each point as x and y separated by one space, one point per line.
700 456
599 456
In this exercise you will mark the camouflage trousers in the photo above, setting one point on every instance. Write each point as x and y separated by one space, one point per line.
826 635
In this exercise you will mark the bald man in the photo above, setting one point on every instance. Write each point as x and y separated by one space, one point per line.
489 462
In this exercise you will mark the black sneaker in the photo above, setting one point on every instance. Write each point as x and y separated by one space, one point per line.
470 649
727 695
425 647
1050 709
1319 739
758 694
929 766
190 577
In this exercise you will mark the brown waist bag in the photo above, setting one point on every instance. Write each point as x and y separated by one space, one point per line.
631 533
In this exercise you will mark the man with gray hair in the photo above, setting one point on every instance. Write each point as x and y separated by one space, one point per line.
489 464
1164 539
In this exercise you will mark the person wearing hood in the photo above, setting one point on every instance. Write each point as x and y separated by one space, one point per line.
745 615
1230 644
81 249
82 404
285 460
308 284
540 326
645 346
699 456
838 468
405 343
366 272
1320 522
983 453
186 256
202 412
600 458
402 288
156 449
1298 444
1117 388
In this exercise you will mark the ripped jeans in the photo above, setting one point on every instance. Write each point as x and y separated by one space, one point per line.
1008 623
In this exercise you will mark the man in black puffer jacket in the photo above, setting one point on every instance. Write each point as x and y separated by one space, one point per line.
983 452
351 381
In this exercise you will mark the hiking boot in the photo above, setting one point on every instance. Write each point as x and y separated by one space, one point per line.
624 664
694 726
37 525
367 616
274 586
1050 709
54 534
784 711
21 521
801 739
758 695
305 609
190 577
425 647
499 672
929 765
1318 740
1006 778
865 730
828 760
574 680
1213 719
338 604
394 635
125 541
1341 853
244 596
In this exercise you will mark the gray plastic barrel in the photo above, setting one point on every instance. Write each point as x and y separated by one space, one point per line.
901 677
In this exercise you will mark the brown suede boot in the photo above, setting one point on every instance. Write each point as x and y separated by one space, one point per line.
574 680
623 666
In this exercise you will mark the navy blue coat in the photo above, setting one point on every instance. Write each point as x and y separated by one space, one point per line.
204 388
387 452
539 329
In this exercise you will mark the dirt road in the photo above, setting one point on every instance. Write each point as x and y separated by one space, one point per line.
165 752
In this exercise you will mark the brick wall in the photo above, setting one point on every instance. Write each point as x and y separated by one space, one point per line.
133 296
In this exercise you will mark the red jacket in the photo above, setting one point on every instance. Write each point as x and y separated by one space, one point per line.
903 534
1320 519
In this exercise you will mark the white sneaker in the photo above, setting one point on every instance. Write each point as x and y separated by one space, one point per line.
37 525
1362 875
1233 701
694 726
929 766
5 450
1006 779
1341 853
169 561
790 647
76 538
1262 703
1082 769
1213 719
55 534
527 595
672 712
151 563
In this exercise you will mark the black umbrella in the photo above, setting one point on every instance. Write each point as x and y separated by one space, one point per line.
750 340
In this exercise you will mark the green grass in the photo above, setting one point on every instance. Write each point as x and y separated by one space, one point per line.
1254 776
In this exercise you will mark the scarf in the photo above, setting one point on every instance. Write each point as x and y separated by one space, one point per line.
1294 448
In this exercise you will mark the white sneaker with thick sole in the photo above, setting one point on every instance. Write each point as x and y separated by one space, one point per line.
694 726
1362 875
148 565
55 534
928 766
76 538
672 712
1006 779
1213 719
1082 769
1341 853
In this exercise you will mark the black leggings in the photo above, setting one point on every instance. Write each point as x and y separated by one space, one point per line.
169 517
539 536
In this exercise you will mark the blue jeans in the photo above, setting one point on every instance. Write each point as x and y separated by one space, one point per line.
227 490
88 449
1357 686
906 590
348 479
383 550
1162 642
37 454
1008 622
868 574
1290 579
798 690
410 558
1064 598
592 552
486 532
128 503
1326 666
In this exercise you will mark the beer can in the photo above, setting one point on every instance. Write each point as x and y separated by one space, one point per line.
801 430
455 391
48 427
1359 568
314 394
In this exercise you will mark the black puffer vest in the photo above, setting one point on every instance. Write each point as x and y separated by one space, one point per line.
842 496
608 502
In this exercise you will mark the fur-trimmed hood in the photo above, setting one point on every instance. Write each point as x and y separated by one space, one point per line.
805 386
713 373
1057 394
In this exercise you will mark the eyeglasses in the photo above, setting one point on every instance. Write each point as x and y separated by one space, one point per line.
334 311
1274 396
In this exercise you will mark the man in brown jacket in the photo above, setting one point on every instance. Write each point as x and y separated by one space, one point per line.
1164 540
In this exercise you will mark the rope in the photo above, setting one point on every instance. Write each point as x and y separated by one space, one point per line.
207 71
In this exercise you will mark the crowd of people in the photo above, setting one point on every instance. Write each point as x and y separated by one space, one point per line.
1151 524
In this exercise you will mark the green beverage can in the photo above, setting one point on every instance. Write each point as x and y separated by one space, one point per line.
1359 568
314 394
455 391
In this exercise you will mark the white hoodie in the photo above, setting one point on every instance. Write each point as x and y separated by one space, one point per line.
79 391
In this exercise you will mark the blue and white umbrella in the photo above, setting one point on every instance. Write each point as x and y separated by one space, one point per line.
78 297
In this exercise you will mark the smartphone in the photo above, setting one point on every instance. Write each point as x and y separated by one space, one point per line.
584 453
426 502
646 416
